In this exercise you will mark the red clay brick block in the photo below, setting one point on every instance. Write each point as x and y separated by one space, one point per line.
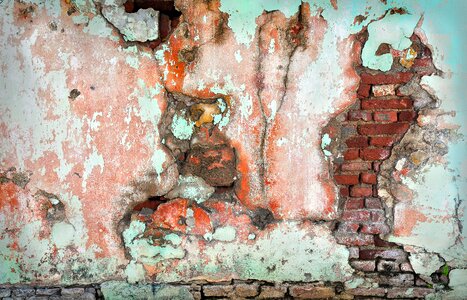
385 116
311 292
357 142
382 141
363 265
359 115
356 166
348 227
356 215
354 203
378 292
352 239
346 179
374 154
404 103
373 203
387 266
369 178
377 129
344 191
378 215
386 78
363 90
393 254
382 243
375 228
407 115
417 292
360 191
351 154
384 90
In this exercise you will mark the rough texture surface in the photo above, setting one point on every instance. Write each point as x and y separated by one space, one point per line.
232 149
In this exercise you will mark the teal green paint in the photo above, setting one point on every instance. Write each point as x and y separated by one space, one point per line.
135 272
9 268
393 29
81 19
224 234
132 62
325 141
181 127
173 238
63 234
98 26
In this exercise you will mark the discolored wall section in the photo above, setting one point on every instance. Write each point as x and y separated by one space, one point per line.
315 143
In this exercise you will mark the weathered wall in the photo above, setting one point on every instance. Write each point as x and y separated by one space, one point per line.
283 142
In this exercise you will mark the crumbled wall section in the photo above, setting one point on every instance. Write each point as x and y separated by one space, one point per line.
232 149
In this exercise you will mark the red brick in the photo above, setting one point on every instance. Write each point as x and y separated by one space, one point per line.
346 179
357 142
349 227
386 78
351 154
359 115
374 153
376 166
407 115
378 215
356 215
382 141
403 103
422 62
376 129
363 90
378 292
393 254
387 266
356 166
385 116
354 203
363 265
354 239
311 292
409 292
382 243
369 178
359 191
375 228
344 191
373 203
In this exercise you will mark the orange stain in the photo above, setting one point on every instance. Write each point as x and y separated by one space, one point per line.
8 196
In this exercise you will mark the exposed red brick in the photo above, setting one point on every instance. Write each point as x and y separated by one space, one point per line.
422 62
376 129
354 239
386 78
346 179
376 166
403 103
354 203
349 227
356 215
374 153
311 292
368 178
351 154
363 90
359 115
356 166
394 254
375 228
417 292
382 243
382 141
344 191
363 265
357 142
360 191
378 215
407 115
387 266
378 292
373 203
385 116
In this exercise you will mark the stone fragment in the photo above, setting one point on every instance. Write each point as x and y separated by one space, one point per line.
191 187
271 292
311 292
5 293
384 90
140 26
23 292
47 291
217 290
246 290
72 291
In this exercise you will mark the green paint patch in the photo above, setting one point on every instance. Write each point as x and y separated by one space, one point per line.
181 127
